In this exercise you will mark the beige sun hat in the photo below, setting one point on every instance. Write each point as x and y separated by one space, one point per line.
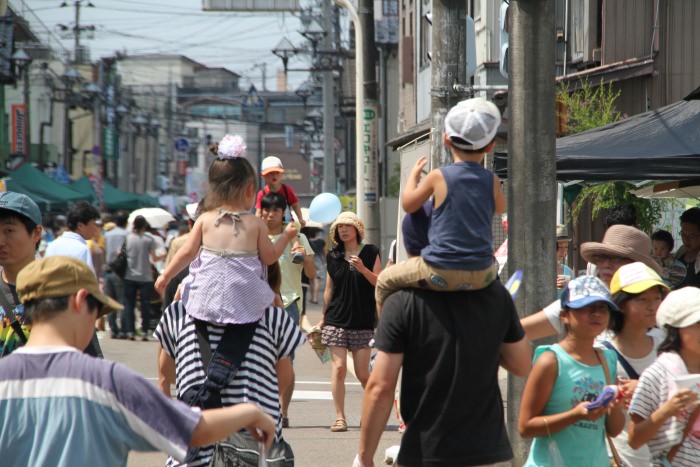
348 218
624 241
59 276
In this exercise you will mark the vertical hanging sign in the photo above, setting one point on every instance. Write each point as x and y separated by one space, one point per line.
19 132
369 153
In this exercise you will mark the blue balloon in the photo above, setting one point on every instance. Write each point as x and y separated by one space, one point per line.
324 208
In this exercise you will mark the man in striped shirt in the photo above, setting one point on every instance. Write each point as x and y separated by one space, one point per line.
62 407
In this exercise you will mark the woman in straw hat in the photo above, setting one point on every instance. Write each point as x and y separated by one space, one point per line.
637 290
621 245
349 309
664 409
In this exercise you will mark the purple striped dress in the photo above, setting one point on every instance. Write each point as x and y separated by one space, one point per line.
226 287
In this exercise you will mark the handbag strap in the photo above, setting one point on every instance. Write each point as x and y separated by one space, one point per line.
623 361
223 364
604 363
688 426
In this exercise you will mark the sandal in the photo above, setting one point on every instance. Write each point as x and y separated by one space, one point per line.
339 425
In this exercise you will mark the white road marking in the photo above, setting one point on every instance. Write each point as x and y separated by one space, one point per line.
326 382
312 395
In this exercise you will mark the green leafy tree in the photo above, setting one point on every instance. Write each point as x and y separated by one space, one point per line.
592 107
394 183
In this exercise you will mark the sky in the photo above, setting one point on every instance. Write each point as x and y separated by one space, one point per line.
238 41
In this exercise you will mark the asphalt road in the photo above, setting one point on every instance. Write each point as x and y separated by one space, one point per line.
311 412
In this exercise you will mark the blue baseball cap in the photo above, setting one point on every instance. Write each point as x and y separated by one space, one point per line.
585 290
20 204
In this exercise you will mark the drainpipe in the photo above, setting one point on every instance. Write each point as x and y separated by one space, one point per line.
42 127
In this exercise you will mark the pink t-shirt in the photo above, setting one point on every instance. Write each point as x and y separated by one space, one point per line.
285 190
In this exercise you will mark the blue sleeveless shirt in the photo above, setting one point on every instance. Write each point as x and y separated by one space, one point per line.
581 444
460 231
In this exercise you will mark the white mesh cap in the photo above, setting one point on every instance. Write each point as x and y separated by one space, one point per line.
475 121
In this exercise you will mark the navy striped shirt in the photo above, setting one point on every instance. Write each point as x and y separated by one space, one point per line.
276 337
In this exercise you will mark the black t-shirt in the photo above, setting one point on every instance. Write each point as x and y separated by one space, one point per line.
450 398
352 304
8 290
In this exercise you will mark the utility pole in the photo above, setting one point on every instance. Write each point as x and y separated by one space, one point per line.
77 28
532 184
367 158
329 184
76 32
449 67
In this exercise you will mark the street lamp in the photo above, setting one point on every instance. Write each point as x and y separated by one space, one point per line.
284 50
314 33
22 60
304 91
360 166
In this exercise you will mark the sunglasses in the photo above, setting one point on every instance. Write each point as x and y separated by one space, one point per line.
612 259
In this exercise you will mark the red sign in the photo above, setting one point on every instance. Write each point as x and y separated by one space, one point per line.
19 133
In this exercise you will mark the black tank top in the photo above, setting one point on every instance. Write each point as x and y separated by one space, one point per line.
352 304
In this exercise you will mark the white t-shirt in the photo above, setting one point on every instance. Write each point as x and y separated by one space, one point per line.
634 457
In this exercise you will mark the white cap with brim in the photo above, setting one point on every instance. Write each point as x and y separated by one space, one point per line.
680 308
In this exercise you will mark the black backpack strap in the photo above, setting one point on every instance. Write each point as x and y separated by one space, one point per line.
222 366
286 198
625 364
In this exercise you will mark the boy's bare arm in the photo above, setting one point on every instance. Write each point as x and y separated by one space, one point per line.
415 193
297 211
183 257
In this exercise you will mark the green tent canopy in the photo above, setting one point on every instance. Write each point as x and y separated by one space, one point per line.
49 195
114 198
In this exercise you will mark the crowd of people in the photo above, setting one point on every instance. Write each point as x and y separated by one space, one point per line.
616 387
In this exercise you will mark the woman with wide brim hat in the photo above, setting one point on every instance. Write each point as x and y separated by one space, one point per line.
349 308
621 245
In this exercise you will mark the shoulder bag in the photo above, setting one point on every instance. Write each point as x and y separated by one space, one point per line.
631 373
239 449
615 461
119 263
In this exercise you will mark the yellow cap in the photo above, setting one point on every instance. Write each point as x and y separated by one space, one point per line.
635 278
60 276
